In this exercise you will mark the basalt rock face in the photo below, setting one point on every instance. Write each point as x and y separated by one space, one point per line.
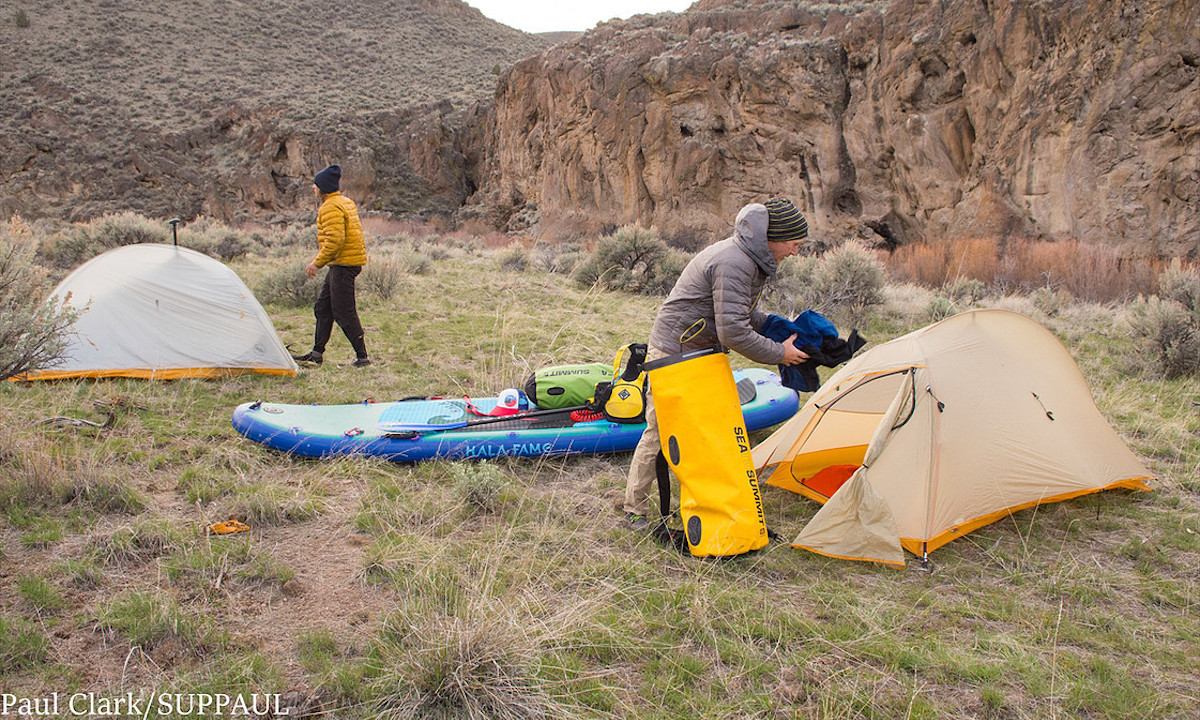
893 121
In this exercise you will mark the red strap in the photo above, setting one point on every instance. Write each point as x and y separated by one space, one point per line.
471 407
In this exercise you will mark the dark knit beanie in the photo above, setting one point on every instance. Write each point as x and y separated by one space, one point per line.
784 222
329 179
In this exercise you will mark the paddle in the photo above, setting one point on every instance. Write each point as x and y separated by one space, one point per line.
412 429
408 430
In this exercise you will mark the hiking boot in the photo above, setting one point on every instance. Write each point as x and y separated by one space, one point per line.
636 522
312 356
361 362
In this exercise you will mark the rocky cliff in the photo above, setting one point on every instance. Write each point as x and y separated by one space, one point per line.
893 121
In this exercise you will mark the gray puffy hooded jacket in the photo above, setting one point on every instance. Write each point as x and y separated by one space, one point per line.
714 301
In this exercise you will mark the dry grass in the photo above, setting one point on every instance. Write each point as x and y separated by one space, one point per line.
508 589
1089 272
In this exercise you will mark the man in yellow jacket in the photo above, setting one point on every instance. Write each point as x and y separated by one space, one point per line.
340 247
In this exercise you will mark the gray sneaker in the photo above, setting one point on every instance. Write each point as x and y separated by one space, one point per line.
636 522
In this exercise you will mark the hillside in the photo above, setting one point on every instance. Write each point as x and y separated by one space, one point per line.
224 108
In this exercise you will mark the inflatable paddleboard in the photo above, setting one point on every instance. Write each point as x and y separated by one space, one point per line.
383 429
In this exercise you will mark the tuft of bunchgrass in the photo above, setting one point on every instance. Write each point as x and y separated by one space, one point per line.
317 649
214 562
484 661
263 503
144 539
149 618
84 573
22 645
40 595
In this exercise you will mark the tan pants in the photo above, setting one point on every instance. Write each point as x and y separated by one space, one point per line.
641 483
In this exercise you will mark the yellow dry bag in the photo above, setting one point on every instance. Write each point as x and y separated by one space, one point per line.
704 438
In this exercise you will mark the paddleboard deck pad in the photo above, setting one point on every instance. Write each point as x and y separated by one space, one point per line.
383 429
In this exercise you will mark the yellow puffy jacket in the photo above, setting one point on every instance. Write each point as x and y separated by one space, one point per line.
339 233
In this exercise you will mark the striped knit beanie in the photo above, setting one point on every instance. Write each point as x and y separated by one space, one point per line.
784 222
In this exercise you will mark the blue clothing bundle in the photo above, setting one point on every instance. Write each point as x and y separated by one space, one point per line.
818 338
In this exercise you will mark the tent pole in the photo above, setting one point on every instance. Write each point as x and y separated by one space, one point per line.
174 231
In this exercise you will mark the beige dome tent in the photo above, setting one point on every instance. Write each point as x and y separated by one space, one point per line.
164 312
925 438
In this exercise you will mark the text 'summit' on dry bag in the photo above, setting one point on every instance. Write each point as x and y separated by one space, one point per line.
624 399
566 386
704 439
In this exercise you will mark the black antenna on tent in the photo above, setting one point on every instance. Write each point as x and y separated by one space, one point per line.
174 231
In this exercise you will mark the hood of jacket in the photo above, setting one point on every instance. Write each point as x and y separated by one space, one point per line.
750 234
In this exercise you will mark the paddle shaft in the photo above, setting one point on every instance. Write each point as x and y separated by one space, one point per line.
486 421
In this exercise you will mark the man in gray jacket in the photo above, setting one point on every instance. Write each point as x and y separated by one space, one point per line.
714 302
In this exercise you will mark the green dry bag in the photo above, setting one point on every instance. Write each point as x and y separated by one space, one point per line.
566 386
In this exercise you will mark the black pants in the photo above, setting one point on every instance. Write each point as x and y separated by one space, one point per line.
336 304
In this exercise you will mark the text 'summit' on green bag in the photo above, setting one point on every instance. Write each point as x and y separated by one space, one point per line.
566 385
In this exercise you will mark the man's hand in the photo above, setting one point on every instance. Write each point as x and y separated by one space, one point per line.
311 271
791 354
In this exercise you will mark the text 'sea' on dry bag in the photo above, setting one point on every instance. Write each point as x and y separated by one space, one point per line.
704 438
624 399
565 386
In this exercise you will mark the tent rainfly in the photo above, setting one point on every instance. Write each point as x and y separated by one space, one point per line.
164 312
925 438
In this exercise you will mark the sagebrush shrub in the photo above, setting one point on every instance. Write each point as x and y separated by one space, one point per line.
297 236
514 258
843 284
1181 285
84 241
289 286
966 290
940 307
633 259
848 281
479 485
558 257
414 259
33 331
791 291
1166 337
1049 301
382 275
